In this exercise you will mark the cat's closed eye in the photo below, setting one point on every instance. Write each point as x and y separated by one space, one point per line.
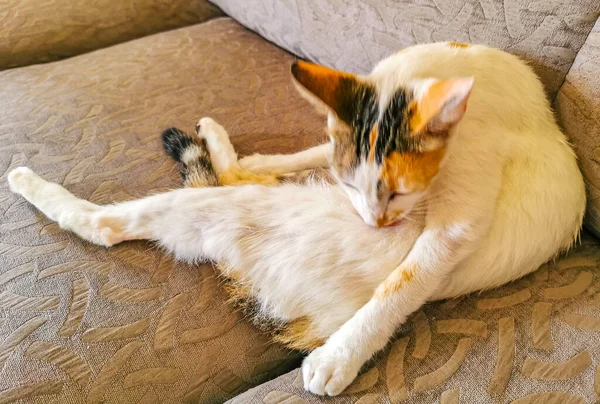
351 186
395 194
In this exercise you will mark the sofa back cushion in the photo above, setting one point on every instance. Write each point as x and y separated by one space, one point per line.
354 35
577 107
33 31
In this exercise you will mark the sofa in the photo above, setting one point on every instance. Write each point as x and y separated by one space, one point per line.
86 89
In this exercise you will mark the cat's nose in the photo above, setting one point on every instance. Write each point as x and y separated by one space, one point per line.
390 220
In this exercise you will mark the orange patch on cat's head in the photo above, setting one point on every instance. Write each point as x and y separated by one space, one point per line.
372 140
414 171
319 80
322 85
454 44
424 113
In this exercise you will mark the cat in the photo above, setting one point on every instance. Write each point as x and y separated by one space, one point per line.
433 200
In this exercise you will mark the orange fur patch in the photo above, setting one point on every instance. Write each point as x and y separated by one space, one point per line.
415 169
299 334
372 139
415 118
238 293
321 81
237 176
430 104
395 281
454 44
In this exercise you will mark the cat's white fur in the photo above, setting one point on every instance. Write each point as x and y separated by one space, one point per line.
287 163
509 197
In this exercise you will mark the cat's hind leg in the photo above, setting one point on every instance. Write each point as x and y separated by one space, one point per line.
224 158
71 213
277 164
193 224
220 148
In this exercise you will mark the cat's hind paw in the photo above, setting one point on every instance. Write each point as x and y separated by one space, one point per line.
23 180
222 153
207 128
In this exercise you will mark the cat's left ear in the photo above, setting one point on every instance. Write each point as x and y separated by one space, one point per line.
328 89
441 105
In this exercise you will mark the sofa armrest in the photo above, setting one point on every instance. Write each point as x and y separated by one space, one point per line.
36 31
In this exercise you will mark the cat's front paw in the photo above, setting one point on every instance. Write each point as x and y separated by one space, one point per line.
328 370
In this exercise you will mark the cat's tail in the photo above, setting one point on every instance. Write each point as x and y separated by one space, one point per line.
193 157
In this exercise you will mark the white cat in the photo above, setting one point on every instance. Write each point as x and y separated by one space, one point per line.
435 200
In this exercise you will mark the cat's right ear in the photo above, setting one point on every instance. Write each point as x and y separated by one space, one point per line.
328 89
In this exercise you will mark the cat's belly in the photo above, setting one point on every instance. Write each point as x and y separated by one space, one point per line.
326 273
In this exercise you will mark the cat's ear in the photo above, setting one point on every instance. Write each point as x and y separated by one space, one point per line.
328 89
441 105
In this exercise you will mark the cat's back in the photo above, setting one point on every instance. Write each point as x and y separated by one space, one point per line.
506 91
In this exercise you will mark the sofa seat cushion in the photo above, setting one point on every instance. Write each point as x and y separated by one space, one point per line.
41 31
81 323
535 340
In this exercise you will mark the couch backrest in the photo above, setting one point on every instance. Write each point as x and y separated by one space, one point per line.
34 31
353 35
577 107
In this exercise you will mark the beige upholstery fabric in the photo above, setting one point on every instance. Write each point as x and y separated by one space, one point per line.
80 323
33 31
533 341
354 35
578 110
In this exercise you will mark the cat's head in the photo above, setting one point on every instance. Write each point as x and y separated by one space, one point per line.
389 143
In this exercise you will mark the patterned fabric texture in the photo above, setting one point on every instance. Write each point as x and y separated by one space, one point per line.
33 31
578 109
354 35
81 323
533 341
